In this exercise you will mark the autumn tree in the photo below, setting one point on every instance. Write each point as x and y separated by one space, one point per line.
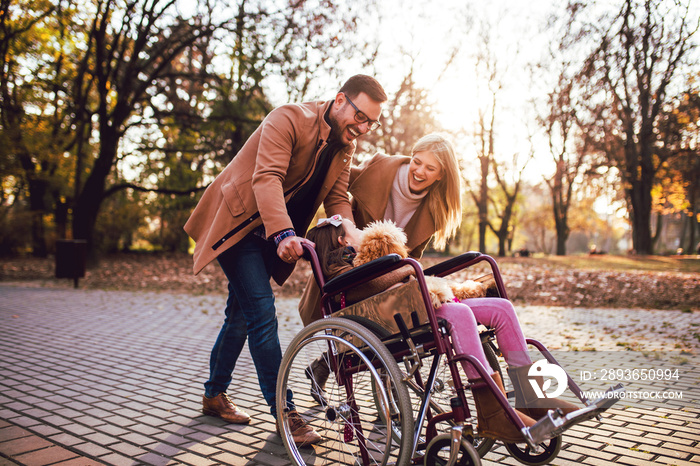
130 47
291 40
36 46
496 190
507 198
568 150
163 93
407 116
536 224
485 155
487 68
495 204
678 190
628 76
75 71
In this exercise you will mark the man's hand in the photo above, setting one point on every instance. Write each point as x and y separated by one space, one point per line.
290 248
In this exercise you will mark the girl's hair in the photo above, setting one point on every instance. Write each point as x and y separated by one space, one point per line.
328 248
444 197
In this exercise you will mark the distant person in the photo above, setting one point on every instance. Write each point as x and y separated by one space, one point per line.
249 217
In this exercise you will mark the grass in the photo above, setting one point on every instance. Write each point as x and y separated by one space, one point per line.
686 264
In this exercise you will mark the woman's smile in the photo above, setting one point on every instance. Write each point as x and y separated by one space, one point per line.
423 171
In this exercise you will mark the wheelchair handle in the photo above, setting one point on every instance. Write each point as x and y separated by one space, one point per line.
456 262
310 255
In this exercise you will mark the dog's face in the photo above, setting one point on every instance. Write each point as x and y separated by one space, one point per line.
379 239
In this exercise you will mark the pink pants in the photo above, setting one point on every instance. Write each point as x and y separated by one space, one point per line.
496 313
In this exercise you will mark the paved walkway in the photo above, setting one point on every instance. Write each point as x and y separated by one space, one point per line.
95 377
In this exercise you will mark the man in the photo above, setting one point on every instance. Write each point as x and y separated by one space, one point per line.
253 217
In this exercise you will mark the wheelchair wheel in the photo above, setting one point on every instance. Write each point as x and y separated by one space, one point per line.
491 357
444 391
438 452
548 450
440 398
354 428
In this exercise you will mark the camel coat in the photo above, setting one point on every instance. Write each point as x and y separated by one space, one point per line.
254 187
370 187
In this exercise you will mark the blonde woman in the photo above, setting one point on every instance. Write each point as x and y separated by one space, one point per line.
420 193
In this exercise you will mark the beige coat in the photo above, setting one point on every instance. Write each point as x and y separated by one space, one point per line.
253 188
370 187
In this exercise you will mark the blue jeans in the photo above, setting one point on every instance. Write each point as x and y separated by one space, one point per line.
250 313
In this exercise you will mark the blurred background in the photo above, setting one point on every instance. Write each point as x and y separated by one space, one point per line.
576 122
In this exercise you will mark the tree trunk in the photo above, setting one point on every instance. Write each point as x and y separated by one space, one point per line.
560 224
37 203
642 241
502 239
645 243
87 206
640 173
483 204
482 236
561 243
693 247
61 219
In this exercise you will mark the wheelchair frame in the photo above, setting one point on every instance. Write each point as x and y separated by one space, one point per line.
356 349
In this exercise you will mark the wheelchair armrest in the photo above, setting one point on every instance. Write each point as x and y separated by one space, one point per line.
437 269
352 276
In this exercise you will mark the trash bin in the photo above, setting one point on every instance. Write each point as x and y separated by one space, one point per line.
70 259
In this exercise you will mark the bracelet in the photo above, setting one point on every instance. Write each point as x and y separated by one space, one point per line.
282 235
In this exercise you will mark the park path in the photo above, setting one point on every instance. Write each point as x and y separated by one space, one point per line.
111 377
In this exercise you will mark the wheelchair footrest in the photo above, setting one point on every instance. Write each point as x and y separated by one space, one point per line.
554 423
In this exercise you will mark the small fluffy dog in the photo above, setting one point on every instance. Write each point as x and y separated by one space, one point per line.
380 239
385 237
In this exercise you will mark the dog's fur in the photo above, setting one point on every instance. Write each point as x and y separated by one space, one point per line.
440 290
385 237
379 239
469 289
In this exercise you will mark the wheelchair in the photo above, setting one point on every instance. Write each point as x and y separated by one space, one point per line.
395 393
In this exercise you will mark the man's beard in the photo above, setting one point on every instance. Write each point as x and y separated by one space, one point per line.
336 131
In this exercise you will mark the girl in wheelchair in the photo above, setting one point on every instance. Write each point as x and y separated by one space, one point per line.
336 241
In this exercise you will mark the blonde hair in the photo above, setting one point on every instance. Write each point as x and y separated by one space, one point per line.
444 198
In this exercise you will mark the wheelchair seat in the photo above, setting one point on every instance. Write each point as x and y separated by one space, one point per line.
352 276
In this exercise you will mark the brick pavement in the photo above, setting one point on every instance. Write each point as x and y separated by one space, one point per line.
108 377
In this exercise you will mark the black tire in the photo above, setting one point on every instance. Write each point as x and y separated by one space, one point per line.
438 452
524 454
492 358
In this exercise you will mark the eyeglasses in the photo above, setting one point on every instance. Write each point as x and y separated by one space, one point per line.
361 117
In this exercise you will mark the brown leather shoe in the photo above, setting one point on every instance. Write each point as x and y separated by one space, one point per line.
222 406
302 433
